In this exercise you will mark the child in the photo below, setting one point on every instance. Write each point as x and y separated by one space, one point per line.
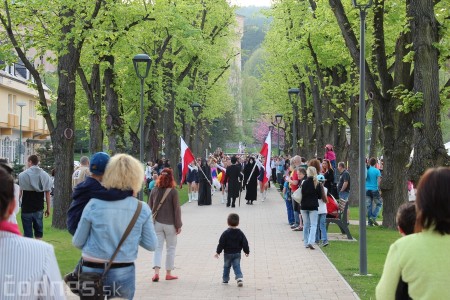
232 241
406 218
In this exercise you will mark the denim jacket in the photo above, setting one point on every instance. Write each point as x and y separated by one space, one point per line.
103 223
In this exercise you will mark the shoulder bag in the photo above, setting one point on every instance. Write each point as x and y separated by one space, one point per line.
90 284
297 195
155 213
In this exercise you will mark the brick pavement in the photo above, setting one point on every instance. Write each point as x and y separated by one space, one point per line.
279 267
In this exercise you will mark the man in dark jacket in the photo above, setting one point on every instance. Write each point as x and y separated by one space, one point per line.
234 178
91 188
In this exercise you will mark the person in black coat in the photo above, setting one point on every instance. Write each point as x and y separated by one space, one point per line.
234 178
204 187
311 192
251 183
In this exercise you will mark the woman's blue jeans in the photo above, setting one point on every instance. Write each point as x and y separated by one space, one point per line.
118 283
232 260
309 226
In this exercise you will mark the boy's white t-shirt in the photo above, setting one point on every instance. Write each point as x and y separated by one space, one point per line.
322 205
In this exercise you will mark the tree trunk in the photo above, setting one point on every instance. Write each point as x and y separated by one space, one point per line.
306 144
429 150
115 130
94 99
62 136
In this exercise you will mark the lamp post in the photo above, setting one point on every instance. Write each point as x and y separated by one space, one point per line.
215 145
296 92
196 110
362 157
20 150
278 118
140 61
225 131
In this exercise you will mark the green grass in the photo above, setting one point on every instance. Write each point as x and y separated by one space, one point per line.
66 254
354 213
345 256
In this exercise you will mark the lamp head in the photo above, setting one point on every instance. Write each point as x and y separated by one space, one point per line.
21 104
270 127
278 118
215 121
140 61
225 130
362 4
293 91
196 108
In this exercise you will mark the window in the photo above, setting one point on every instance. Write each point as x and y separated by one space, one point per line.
32 109
10 69
12 104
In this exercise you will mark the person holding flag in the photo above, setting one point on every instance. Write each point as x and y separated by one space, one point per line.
265 169
186 158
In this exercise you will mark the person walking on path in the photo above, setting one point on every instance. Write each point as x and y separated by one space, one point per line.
165 203
373 196
204 185
103 223
232 242
233 180
251 180
35 185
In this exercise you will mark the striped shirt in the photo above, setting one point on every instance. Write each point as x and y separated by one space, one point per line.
28 269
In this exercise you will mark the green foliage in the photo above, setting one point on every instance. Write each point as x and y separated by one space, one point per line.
410 101
46 157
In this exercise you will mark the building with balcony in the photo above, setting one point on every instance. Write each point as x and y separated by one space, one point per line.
20 121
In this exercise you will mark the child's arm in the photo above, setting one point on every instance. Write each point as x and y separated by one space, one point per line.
245 246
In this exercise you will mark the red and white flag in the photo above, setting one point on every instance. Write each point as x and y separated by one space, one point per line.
186 158
266 152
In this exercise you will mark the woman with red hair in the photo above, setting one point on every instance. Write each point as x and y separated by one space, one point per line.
164 202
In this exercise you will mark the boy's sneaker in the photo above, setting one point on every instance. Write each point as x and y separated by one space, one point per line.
240 282
225 282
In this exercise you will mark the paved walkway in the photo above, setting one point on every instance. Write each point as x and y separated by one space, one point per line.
279 267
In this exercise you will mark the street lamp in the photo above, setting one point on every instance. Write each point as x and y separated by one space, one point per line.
225 131
196 110
141 61
278 118
20 150
362 157
215 123
296 92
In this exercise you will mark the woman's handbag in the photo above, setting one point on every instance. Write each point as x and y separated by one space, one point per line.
155 213
297 195
90 284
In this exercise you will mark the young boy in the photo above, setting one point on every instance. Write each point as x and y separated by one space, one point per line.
406 218
406 221
232 241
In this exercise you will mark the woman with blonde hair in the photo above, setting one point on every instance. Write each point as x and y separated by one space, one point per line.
165 203
311 192
103 223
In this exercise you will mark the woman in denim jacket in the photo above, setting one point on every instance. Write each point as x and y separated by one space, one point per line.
103 223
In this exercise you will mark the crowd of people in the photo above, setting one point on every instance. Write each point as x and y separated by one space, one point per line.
105 187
